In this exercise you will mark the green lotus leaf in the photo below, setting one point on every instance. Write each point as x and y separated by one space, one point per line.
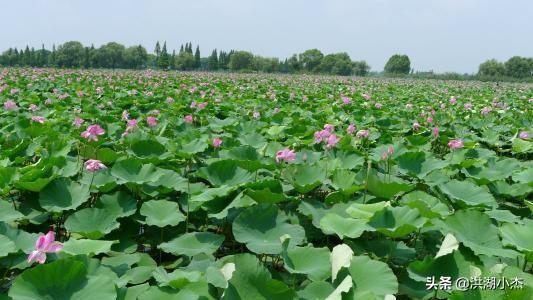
162 213
63 194
397 221
62 279
193 243
92 223
468 193
261 226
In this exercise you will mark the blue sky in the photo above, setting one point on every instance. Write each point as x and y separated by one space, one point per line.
452 35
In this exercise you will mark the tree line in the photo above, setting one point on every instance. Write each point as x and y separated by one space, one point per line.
113 55
515 67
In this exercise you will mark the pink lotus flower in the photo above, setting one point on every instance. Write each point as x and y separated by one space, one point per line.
366 96
170 100
378 105
93 165
193 104
152 121
44 244
276 110
33 107
92 132
321 135
468 106
38 119
332 141
125 115
285 155
131 125
217 142
453 100
188 119
351 129
436 132
330 128
455 144
486 110
304 98
429 120
416 126
77 122
362 134
524 135
202 105
10 105
346 100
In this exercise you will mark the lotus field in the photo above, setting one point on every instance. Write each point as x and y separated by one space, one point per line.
165 185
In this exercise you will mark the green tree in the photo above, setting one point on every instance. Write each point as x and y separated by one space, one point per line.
310 60
491 67
197 57
360 68
336 64
518 67
110 55
135 57
185 61
69 54
164 58
212 61
398 64
240 60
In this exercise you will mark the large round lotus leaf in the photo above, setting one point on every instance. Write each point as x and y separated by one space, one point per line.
148 149
87 247
162 213
453 264
372 276
385 186
365 211
297 260
23 240
251 280
418 164
519 236
193 243
118 204
397 221
475 230
494 170
427 205
344 226
62 280
92 223
8 213
62 194
167 293
225 172
316 290
308 177
6 246
134 171
261 226
468 193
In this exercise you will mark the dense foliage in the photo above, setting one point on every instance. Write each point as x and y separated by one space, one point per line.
515 67
114 55
398 64
166 185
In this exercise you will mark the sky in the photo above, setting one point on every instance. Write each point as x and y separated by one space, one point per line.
438 35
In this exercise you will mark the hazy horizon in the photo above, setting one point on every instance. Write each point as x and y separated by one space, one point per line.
444 36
